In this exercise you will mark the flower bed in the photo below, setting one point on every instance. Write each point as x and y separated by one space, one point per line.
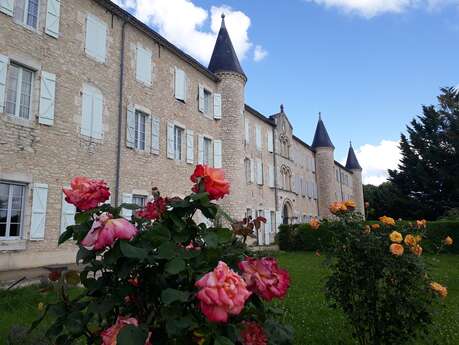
162 278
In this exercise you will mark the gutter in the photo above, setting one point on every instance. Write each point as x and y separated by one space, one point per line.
120 116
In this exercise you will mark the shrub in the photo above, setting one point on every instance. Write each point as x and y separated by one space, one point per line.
380 281
297 237
161 278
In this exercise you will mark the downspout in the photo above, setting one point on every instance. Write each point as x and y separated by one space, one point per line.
120 116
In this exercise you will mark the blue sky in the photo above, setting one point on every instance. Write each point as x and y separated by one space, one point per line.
367 65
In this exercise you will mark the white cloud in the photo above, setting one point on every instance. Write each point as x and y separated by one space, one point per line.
371 8
183 23
259 53
376 159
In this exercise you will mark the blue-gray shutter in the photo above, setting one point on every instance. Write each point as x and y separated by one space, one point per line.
201 98
130 127
217 106
217 153
155 130
3 69
6 6
39 205
47 98
52 18
170 141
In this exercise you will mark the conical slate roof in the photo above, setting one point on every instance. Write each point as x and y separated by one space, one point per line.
321 138
224 58
352 162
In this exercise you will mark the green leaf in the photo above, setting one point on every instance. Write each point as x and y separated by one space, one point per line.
169 296
175 266
132 335
84 254
65 235
211 239
167 250
221 340
131 251
224 235
175 326
82 217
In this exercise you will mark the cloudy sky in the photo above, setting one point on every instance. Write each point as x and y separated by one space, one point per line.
367 65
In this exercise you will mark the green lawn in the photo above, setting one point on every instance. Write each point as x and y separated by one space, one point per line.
315 323
305 306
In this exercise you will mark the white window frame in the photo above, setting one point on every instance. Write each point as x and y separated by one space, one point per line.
178 150
19 90
25 15
9 209
138 114
140 197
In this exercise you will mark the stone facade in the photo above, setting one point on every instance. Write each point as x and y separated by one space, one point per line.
40 155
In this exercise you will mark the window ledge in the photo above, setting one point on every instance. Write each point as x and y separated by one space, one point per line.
18 120
10 245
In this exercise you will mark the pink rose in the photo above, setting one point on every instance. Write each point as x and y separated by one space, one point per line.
265 278
105 231
222 292
153 210
86 193
109 336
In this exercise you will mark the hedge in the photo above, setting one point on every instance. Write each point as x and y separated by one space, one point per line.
299 237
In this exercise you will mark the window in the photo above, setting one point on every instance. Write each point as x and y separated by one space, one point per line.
247 167
139 200
284 146
286 178
143 65
178 136
26 12
207 97
140 119
180 84
91 112
11 209
207 144
19 91
96 38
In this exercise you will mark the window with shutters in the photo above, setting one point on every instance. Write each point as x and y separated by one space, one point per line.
19 91
178 139
26 12
140 120
207 152
207 102
248 172
180 84
91 112
139 200
96 38
11 210
143 65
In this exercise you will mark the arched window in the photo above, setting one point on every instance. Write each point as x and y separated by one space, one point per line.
286 178
284 146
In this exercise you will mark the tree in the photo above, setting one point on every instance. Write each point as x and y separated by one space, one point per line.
428 172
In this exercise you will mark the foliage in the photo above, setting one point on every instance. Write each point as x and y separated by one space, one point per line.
299 237
379 279
148 276
427 173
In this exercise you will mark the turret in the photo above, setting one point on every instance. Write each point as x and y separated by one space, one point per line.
357 188
325 163
225 64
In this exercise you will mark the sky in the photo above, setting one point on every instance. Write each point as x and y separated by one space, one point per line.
367 65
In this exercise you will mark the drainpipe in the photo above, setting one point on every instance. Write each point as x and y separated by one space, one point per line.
120 116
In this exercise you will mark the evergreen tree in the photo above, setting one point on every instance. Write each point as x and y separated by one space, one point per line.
428 174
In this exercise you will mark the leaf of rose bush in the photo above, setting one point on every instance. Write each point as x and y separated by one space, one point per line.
167 250
67 234
175 266
221 340
169 296
175 326
132 335
132 252
131 207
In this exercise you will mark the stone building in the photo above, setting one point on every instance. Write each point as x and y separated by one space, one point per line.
87 89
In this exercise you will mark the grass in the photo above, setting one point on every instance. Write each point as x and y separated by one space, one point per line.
317 324
305 306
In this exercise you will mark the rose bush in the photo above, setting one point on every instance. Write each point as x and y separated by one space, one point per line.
162 278
379 279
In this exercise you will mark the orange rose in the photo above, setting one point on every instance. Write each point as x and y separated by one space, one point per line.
350 204
439 289
375 226
210 180
396 249
314 223
421 224
387 220
395 236
410 240
86 193
416 250
448 241
337 207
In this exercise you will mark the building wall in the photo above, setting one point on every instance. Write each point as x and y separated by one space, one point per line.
32 153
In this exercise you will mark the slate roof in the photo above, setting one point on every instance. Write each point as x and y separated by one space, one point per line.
224 58
352 162
321 137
